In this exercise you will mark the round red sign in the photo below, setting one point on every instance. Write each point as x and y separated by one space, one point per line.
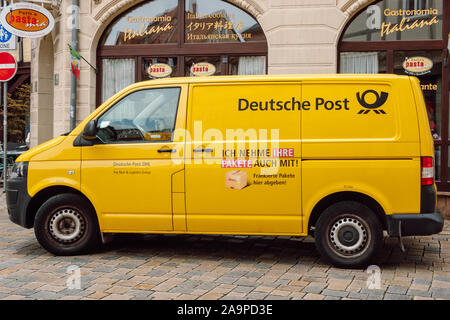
8 66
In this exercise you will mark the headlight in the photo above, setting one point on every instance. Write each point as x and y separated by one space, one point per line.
19 170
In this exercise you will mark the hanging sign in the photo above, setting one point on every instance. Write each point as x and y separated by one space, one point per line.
417 66
27 20
7 39
203 69
159 70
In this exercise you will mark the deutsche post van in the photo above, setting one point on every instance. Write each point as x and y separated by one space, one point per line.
342 158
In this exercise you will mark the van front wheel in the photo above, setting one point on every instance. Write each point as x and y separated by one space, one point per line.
348 234
66 224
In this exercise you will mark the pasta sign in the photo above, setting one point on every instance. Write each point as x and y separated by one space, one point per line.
203 69
417 66
27 20
159 70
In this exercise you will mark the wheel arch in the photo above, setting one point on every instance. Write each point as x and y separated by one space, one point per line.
346 196
43 195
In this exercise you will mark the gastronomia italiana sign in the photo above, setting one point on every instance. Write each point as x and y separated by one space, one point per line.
27 20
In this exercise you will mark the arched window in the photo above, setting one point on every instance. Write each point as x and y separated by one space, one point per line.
169 38
406 37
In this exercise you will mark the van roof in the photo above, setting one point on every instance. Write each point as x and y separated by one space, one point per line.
292 77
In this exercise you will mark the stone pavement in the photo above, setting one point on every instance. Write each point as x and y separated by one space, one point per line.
216 267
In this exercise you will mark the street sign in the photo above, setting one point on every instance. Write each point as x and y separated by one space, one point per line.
8 66
8 69
7 39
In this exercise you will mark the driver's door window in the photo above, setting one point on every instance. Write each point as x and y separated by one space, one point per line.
143 116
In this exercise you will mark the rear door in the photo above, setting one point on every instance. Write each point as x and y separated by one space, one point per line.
243 173
361 135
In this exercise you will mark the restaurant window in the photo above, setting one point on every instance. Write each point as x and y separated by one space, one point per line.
406 37
117 74
174 38
217 21
152 22
212 62
247 65
430 81
398 20
363 62
153 67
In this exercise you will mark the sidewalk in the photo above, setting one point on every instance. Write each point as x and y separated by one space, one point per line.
216 267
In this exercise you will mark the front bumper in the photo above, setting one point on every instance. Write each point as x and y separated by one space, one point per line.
17 200
421 224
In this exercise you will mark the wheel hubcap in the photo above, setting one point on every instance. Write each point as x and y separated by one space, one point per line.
348 236
67 225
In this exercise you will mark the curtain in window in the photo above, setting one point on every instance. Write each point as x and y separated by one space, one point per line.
117 74
252 65
359 62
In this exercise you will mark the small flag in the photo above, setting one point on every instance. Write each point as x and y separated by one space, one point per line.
448 43
74 53
75 66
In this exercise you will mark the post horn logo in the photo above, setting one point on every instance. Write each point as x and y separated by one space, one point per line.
379 101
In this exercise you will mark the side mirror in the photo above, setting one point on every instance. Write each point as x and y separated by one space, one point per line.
90 131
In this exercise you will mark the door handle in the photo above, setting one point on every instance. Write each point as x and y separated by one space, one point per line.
203 150
167 150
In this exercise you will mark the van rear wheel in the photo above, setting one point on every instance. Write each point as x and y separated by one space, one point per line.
348 234
66 224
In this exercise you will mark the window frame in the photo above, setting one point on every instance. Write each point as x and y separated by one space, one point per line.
180 88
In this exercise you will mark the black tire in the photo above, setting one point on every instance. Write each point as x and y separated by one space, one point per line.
66 224
348 234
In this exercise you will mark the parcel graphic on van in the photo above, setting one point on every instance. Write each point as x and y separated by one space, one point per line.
342 158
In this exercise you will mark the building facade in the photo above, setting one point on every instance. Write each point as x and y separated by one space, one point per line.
135 40
22 54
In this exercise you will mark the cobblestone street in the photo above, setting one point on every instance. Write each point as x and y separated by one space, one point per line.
216 267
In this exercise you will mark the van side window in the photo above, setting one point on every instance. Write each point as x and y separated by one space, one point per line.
145 115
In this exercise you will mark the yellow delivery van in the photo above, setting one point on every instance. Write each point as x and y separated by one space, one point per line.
339 157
